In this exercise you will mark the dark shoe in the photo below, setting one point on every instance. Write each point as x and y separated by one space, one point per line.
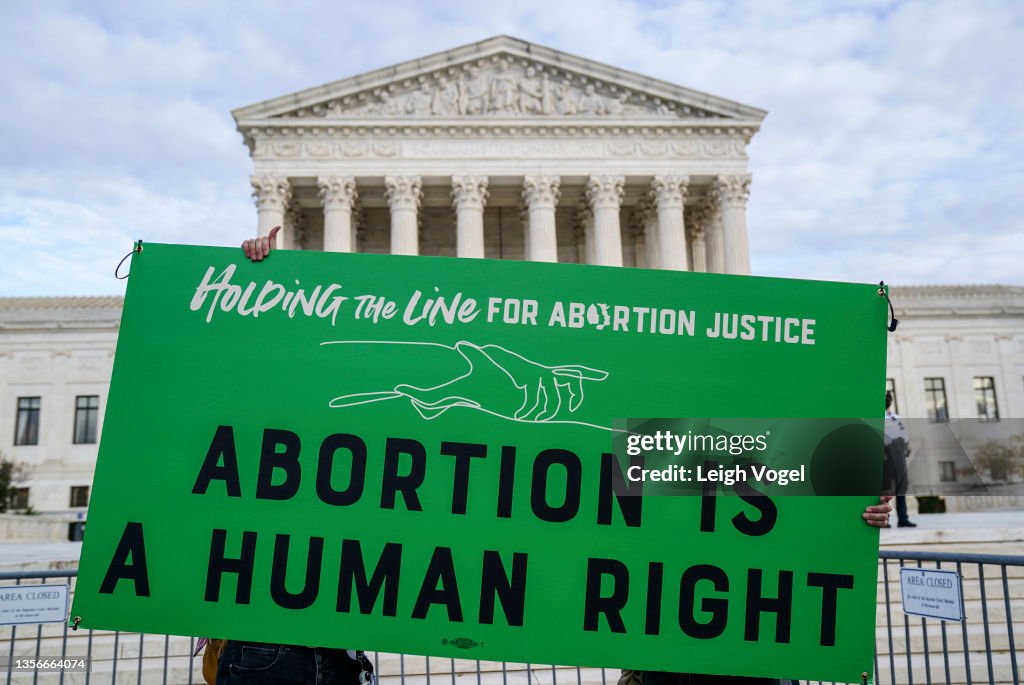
907 524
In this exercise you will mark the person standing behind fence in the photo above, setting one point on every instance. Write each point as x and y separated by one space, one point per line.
897 449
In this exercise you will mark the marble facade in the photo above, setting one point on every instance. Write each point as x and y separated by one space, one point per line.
506 149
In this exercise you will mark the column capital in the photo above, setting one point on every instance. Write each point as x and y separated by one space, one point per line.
469 192
295 223
639 217
606 190
733 189
403 192
700 215
358 221
669 190
643 210
524 213
584 212
271 192
337 192
541 190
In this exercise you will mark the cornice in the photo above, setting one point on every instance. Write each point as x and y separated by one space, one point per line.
961 291
61 302
453 127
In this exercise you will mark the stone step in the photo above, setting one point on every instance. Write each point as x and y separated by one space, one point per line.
1002 670
972 612
999 638
934 533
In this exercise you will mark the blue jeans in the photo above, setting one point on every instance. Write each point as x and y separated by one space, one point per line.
259 663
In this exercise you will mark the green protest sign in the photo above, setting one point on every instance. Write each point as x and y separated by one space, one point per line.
428 456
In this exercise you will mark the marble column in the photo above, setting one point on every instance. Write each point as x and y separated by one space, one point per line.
714 242
404 194
669 194
698 248
605 195
697 225
272 195
579 234
732 193
585 229
294 230
523 212
338 196
638 235
469 194
540 195
646 221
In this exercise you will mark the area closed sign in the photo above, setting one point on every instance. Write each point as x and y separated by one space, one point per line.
427 455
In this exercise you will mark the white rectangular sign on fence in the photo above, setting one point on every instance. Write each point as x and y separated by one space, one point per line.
33 604
931 592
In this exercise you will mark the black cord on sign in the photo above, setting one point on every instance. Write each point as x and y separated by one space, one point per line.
883 293
117 269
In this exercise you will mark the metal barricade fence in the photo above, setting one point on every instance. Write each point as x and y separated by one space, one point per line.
981 649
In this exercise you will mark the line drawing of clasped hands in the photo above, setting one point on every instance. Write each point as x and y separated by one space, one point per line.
498 382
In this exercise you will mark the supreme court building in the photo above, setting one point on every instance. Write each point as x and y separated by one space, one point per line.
506 150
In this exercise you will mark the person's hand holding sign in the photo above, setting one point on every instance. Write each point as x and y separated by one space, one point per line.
257 249
878 515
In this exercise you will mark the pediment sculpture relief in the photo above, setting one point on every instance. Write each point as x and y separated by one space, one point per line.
502 88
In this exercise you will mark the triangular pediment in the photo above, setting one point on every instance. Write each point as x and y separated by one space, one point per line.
503 78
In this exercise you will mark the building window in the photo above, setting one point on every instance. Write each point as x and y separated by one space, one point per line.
26 429
890 387
947 471
18 498
80 496
985 398
87 409
935 397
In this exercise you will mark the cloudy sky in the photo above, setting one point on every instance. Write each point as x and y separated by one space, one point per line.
894 146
